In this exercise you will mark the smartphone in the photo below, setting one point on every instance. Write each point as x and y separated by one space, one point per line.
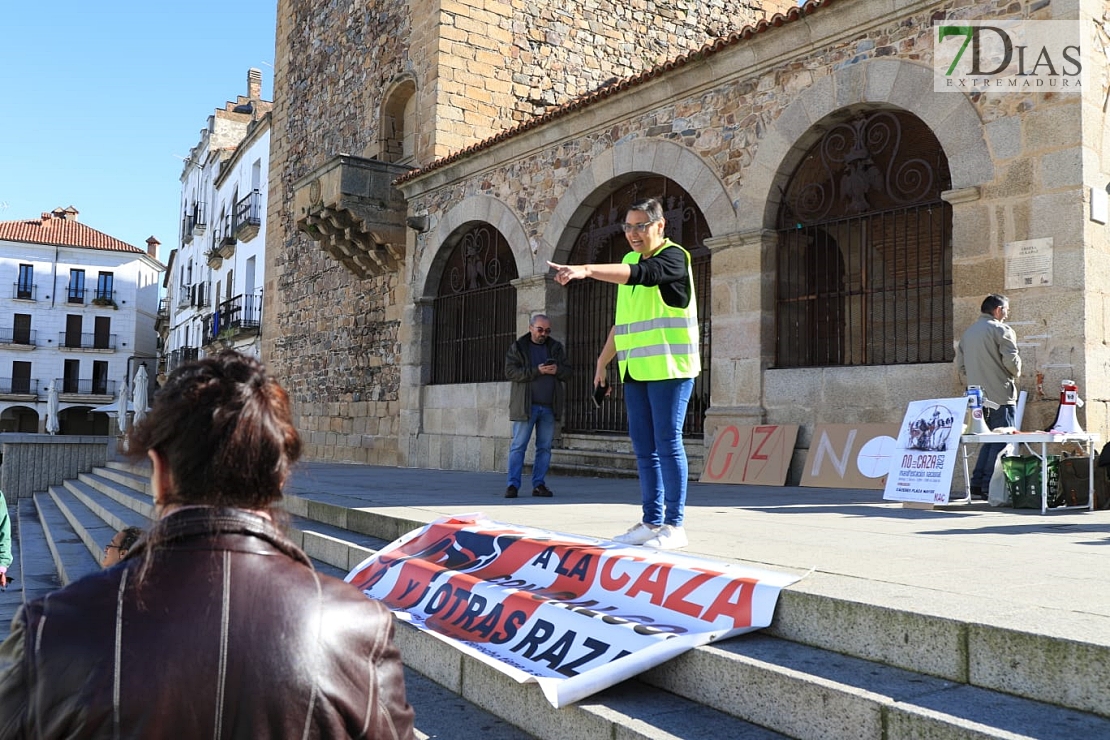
548 363
600 394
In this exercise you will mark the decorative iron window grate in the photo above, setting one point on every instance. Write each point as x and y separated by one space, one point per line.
864 260
475 310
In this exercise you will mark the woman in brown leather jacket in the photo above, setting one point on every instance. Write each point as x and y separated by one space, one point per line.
214 625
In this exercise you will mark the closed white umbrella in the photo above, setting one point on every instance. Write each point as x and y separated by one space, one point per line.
121 405
138 398
52 426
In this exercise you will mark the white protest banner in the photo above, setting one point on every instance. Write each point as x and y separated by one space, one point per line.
574 614
926 451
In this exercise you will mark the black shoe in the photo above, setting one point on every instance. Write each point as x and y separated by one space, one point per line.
542 491
977 494
510 492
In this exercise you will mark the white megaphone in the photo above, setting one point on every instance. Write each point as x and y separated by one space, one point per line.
977 425
1066 423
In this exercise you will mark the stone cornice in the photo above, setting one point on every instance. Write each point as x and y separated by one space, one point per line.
961 195
757 237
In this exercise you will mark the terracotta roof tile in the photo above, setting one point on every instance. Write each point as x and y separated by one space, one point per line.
62 232
779 19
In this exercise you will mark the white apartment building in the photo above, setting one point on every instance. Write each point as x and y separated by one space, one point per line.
77 310
214 282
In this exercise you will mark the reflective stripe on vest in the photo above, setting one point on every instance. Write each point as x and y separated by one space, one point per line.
655 341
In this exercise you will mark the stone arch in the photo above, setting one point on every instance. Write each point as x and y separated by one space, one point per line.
396 122
475 208
882 83
623 163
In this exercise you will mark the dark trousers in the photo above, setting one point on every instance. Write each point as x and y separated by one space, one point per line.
1003 416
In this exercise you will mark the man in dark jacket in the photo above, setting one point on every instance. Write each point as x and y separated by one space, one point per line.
537 366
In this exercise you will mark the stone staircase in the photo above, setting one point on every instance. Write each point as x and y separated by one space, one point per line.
829 667
609 456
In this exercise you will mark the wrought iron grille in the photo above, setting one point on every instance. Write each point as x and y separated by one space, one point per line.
864 260
591 305
474 310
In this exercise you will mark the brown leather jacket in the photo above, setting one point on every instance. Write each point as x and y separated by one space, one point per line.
231 634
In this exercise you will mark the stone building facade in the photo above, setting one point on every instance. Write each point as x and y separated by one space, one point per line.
740 131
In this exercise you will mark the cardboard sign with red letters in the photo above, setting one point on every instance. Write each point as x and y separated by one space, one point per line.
759 455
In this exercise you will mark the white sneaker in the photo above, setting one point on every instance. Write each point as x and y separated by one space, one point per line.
637 535
668 537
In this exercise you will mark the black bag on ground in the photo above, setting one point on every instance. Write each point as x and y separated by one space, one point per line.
1075 480
1023 481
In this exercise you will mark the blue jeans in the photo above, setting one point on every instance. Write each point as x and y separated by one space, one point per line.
1003 416
543 421
656 411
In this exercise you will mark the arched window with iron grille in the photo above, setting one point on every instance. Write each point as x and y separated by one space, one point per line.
474 309
591 304
864 260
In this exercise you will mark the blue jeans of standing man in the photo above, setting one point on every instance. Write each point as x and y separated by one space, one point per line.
656 411
542 420
1003 416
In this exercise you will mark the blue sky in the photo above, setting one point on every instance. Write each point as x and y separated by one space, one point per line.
99 101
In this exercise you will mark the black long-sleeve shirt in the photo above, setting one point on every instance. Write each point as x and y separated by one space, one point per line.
667 269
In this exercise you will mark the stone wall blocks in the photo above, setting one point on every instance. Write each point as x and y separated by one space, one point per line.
792 124
881 76
654 155
1004 137
1062 216
719 213
913 83
1062 169
850 82
961 136
623 157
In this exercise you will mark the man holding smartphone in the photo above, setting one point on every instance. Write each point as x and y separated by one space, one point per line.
536 365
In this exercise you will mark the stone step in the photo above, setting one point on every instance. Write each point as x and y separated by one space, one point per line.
37 574
93 531
71 556
936 646
850 669
107 508
127 489
602 463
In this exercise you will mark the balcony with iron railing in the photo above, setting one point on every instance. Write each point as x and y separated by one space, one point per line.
193 223
180 356
248 216
19 387
104 298
234 319
86 386
225 237
25 292
75 294
18 338
94 341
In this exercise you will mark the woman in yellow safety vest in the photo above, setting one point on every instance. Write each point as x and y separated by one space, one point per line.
655 341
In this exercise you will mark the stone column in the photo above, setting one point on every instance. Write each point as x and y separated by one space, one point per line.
415 336
540 294
741 327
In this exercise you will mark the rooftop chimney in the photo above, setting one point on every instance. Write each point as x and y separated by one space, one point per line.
254 84
152 245
62 214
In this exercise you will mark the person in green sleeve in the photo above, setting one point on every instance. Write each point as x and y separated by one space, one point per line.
5 541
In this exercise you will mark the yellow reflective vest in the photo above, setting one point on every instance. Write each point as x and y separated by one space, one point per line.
655 341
